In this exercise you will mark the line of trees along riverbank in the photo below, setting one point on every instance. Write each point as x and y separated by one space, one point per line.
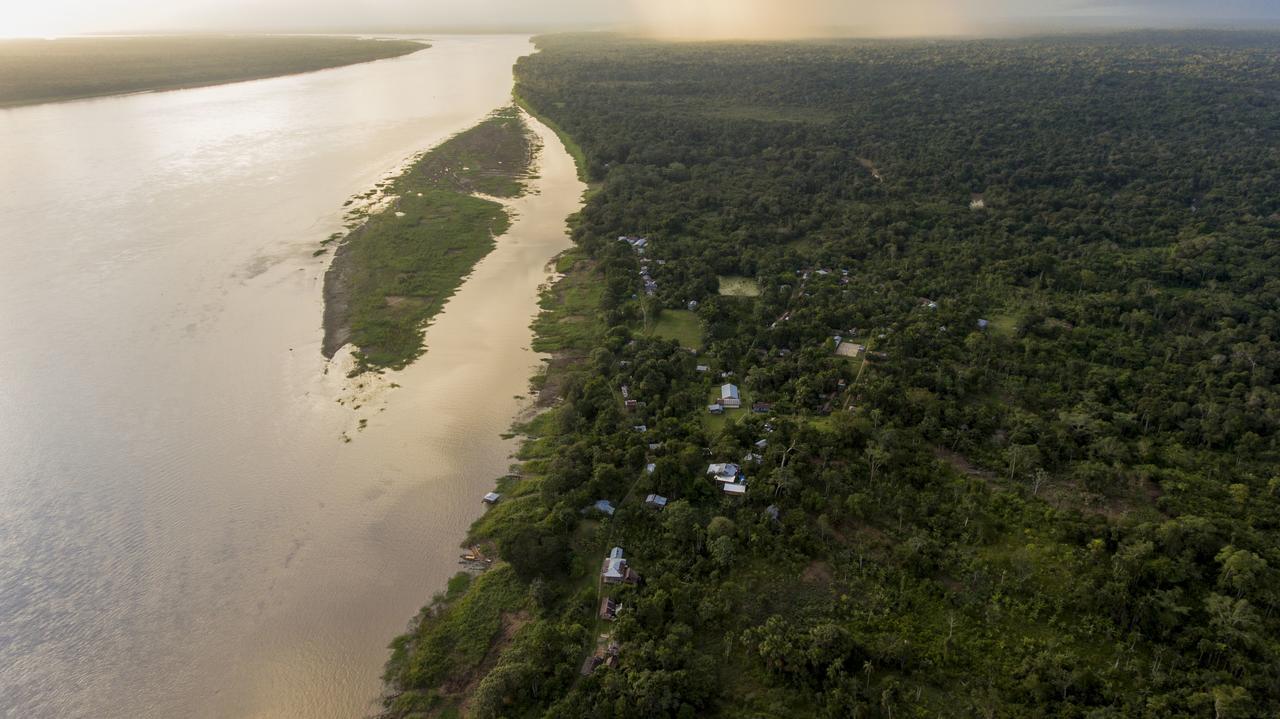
36 71
1048 484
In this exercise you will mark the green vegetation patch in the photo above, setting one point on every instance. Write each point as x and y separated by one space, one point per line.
569 321
399 268
35 71
452 636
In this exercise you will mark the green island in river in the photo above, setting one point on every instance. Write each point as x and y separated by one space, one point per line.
73 68
984 422
397 268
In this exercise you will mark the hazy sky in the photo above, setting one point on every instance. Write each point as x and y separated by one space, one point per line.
701 18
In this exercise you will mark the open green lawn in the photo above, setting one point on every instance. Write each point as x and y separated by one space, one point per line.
35 71
1003 324
735 286
682 326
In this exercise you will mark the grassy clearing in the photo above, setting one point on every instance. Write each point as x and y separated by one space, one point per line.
396 270
35 71
682 326
569 321
1003 324
736 286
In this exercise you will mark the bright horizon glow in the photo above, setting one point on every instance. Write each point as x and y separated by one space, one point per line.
684 19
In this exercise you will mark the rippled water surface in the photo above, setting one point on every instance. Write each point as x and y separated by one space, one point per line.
183 529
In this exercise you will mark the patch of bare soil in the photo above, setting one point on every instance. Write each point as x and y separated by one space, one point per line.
870 168
818 572
962 464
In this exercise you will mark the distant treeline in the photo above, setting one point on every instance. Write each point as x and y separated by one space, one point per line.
35 71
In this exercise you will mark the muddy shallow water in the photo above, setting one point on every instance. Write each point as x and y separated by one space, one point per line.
184 528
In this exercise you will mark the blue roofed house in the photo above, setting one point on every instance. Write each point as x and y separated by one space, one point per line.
724 472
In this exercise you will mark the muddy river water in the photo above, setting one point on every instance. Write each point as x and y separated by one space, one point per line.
184 528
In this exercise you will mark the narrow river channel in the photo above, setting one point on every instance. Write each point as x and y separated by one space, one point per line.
184 529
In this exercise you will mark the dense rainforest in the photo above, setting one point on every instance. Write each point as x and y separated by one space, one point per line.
1001 317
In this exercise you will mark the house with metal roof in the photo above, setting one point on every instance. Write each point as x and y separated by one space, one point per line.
729 396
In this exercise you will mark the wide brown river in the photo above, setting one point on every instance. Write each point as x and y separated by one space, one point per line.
184 531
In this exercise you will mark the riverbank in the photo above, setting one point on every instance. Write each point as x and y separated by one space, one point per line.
188 522
40 71
455 641
399 266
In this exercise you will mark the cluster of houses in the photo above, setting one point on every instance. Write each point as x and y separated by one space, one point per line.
614 571
639 244
627 401
804 275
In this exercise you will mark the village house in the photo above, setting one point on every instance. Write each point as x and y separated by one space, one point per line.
729 397
761 408
724 472
602 506
492 498
715 409
615 569
637 243
735 489
702 368
656 501
609 609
